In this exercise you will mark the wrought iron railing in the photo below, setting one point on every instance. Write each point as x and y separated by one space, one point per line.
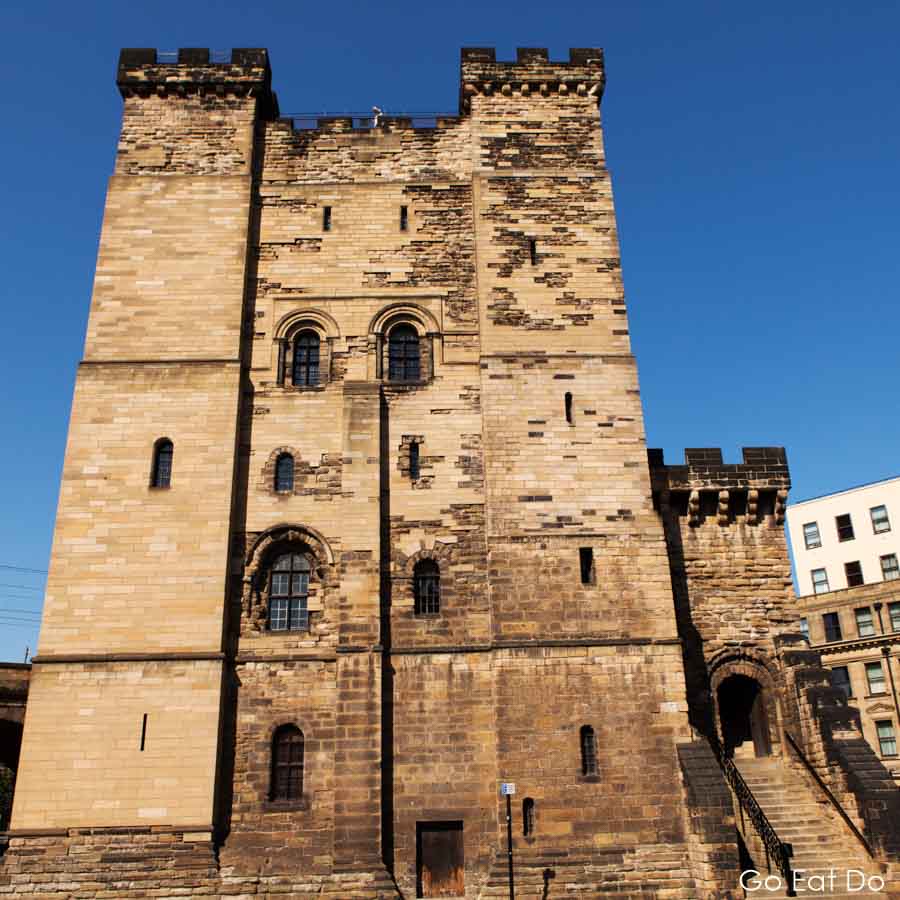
778 852
825 790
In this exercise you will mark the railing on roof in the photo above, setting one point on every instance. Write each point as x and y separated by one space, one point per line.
167 57
368 120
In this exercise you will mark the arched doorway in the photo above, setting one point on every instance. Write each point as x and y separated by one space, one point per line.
10 745
743 717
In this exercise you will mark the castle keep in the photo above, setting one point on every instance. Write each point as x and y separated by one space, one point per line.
357 520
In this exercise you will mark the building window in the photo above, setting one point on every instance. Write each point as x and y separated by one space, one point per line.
819 581
532 251
427 588
832 626
288 590
404 358
811 536
588 751
161 475
840 678
528 817
844 527
894 613
586 564
284 472
414 465
875 678
804 627
404 218
880 520
287 763
864 624
889 569
326 218
853 571
887 740
306 359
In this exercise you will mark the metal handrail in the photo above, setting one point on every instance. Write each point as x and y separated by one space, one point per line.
825 790
366 120
777 851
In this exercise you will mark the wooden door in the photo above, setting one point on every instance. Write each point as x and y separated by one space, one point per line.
441 864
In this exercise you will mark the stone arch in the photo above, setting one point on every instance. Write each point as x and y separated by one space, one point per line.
317 319
745 700
412 313
279 538
288 328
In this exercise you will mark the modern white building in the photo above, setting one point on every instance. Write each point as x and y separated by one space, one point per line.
846 539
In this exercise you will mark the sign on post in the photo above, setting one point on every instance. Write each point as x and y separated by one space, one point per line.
507 788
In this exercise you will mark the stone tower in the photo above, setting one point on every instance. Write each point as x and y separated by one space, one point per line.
357 521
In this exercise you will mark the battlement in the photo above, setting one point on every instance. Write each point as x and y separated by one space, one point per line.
704 485
532 71
191 70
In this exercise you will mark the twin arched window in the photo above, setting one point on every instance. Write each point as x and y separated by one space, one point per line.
284 472
287 763
161 474
427 588
305 369
288 593
404 354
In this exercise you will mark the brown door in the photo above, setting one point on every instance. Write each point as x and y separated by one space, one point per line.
441 865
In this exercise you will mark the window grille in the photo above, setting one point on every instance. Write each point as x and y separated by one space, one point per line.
306 359
427 588
588 751
288 592
287 763
404 357
162 464
284 472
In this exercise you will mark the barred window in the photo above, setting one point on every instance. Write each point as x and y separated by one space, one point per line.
404 357
588 751
161 476
306 359
427 588
284 472
288 590
287 763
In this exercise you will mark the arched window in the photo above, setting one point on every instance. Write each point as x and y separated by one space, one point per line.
161 476
306 359
427 587
528 817
403 354
287 763
414 468
284 472
588 751
288 590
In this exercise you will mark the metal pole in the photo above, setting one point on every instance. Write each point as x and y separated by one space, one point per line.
512 888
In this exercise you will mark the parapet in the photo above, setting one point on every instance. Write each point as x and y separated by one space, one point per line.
532 72
704 485
239 72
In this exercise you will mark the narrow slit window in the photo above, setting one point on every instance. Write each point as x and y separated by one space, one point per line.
143 732
284 473
586 563
404 218
588 751
287 763
414 469
528 817
427 588
162 464
326 218
532 250
568 405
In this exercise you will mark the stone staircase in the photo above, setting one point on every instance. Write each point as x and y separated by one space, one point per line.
821 840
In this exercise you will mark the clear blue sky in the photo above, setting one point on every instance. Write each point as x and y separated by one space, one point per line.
755 153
